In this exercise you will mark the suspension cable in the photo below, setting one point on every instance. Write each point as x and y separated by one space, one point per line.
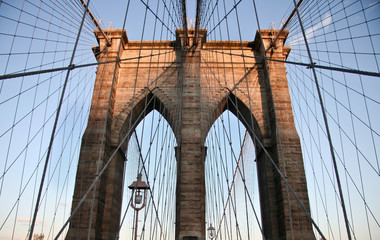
54 128
326 126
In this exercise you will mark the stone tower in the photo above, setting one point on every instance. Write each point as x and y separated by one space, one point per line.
181 94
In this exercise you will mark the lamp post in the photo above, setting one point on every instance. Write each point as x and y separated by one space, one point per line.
138 188
211 232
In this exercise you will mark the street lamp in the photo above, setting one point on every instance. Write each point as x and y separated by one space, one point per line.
138 188
211 232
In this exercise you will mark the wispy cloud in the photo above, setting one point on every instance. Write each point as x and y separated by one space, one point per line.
373 7
64 204
313 30
13 237
27 220
373 4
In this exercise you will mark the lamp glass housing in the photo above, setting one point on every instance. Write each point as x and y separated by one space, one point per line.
138 197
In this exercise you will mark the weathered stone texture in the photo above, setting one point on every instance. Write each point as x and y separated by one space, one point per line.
191 89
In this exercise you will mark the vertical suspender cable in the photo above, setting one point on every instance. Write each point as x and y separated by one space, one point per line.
184 21
326 124
197 20
275 118
105 121
55 126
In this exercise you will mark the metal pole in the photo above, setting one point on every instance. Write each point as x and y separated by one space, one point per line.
136 223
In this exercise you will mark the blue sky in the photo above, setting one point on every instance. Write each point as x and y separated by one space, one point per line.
114 12
340 101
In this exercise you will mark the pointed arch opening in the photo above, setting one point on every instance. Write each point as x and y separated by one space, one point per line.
242 112
232 195
128 120
231 174
150 152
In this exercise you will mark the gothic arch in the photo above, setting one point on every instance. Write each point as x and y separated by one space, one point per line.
267 180
129 118
186 107
241 111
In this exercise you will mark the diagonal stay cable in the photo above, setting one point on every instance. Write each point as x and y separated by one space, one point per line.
155 15
240 115
245 187
106 118
150 190
39 161
237 162
101 172
345 169
326 125
54 128
308 65
232 185
225 17
72 66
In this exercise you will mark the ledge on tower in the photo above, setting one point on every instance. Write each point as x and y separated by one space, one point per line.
272 40
181 36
